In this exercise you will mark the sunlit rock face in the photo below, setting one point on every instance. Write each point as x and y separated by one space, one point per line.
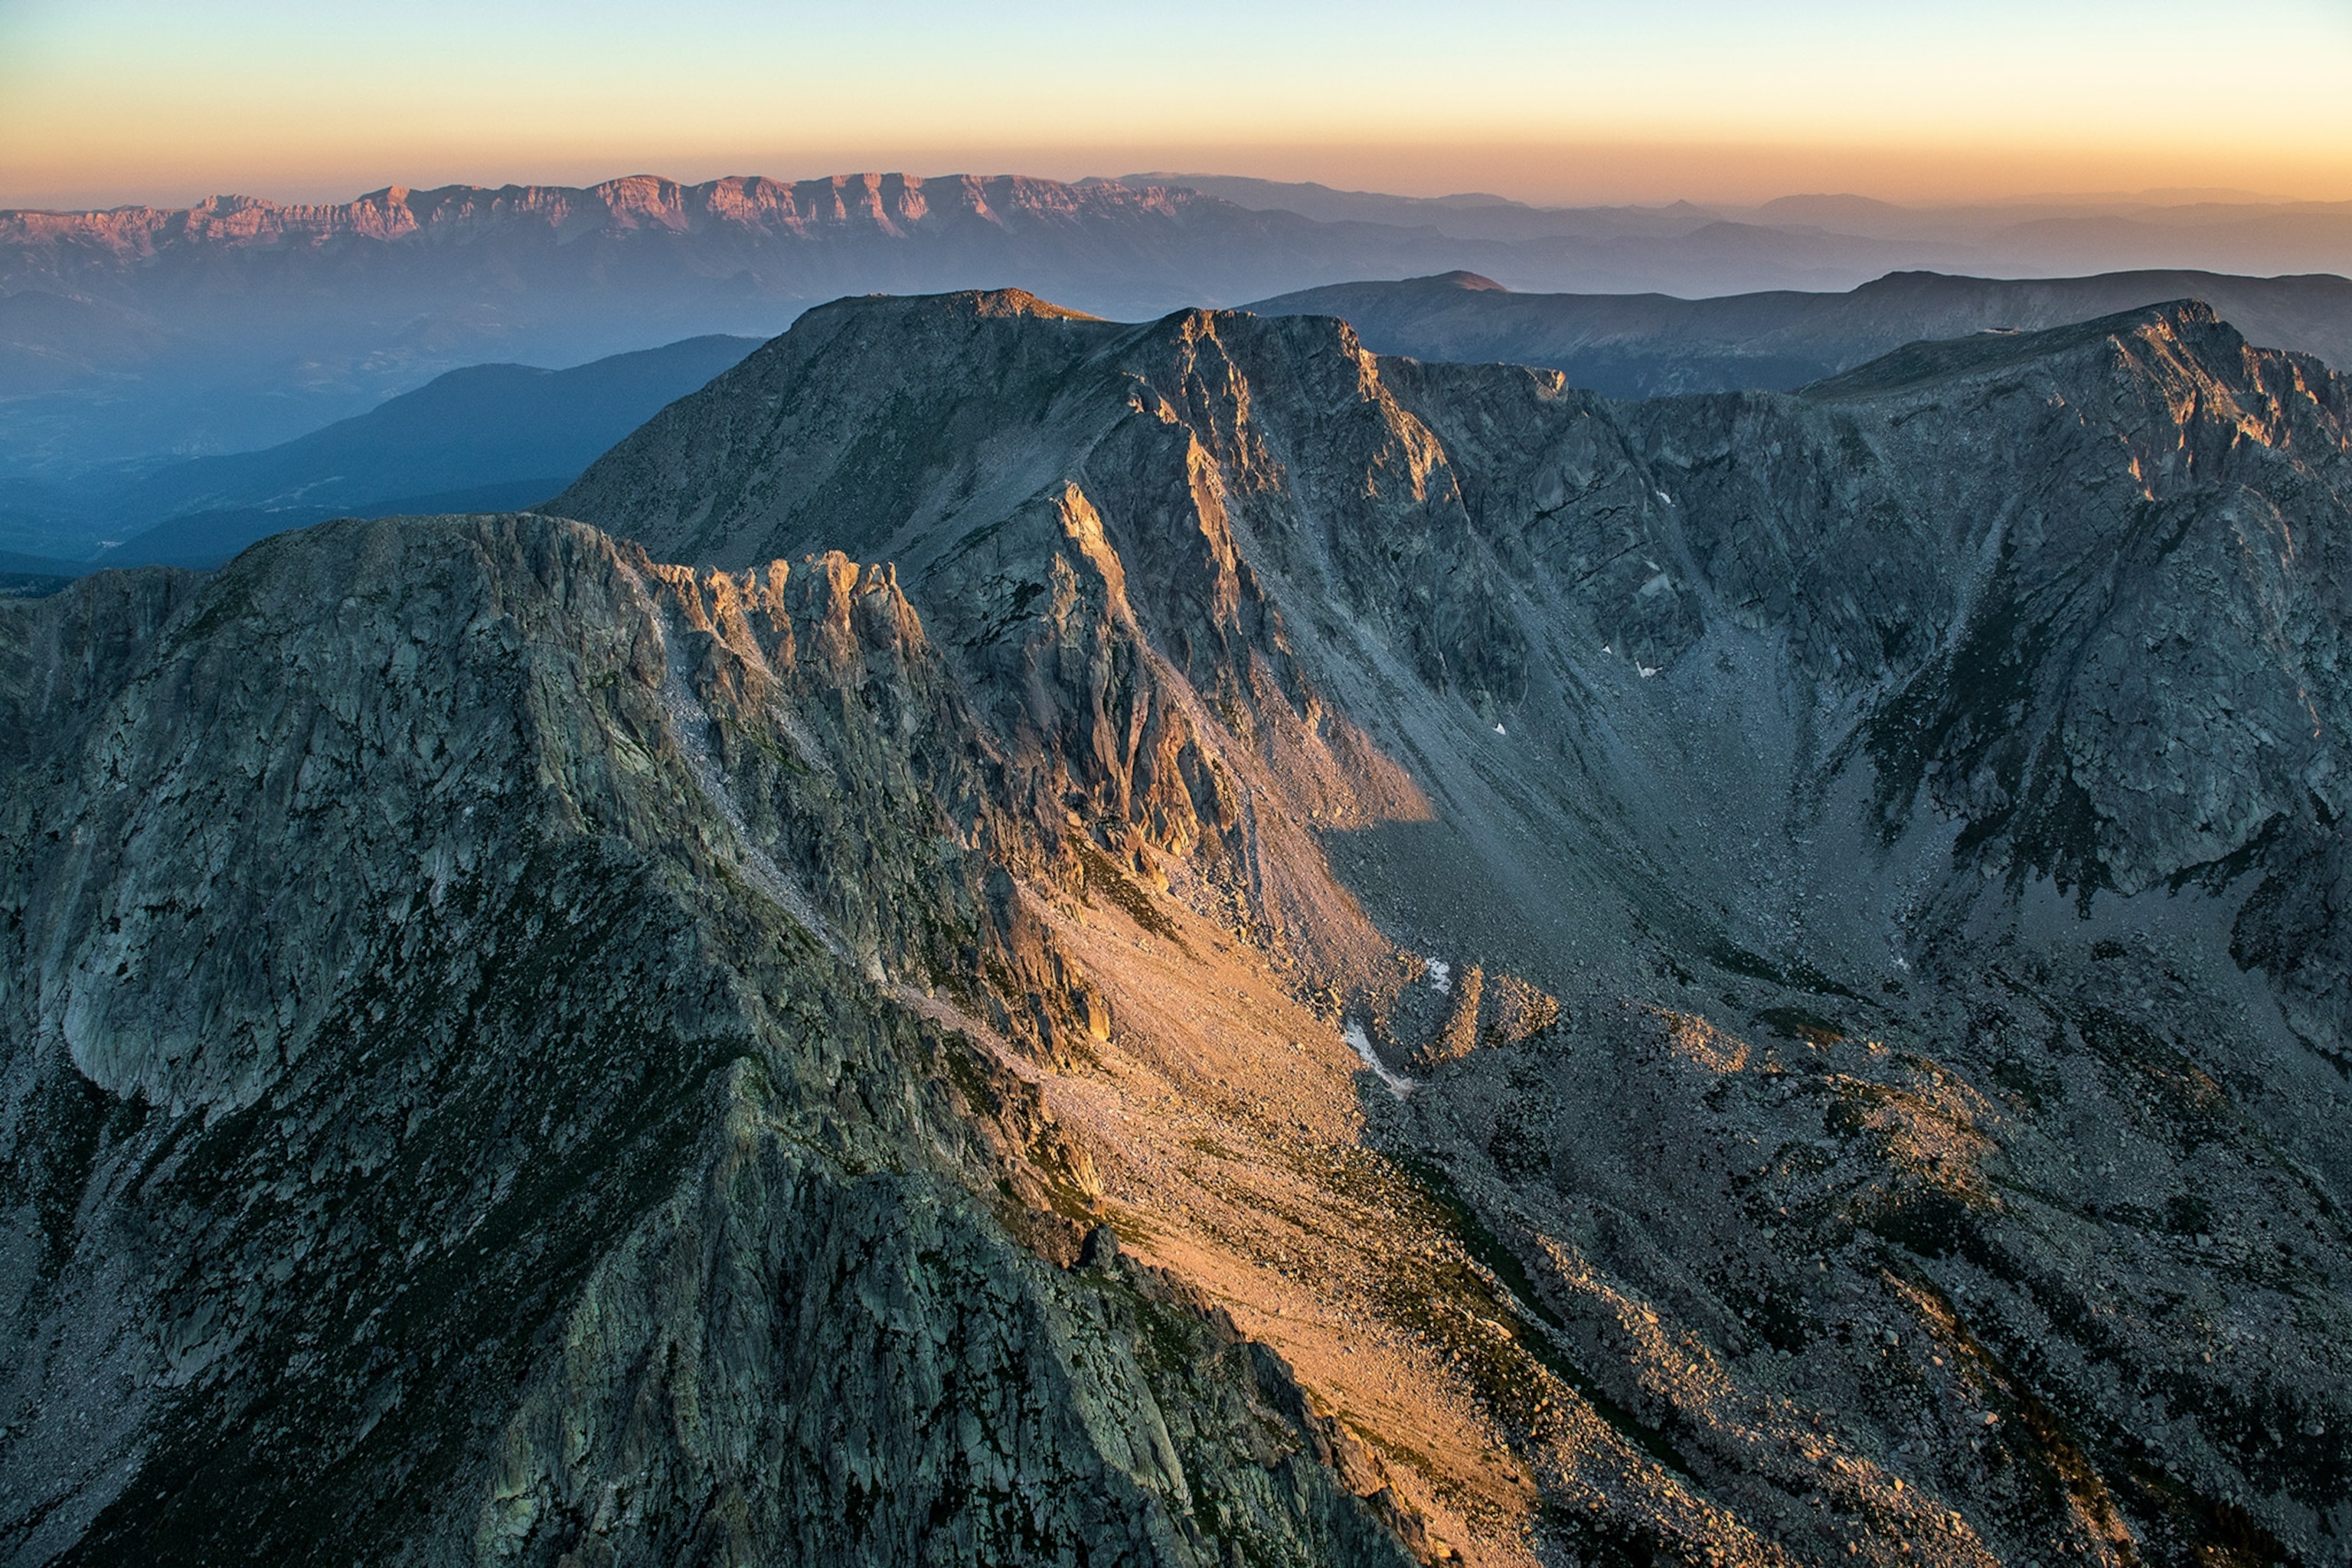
1181 943
470 1097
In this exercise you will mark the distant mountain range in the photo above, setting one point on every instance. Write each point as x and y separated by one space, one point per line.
240 322
1645 345
1688 248
145 335
489 438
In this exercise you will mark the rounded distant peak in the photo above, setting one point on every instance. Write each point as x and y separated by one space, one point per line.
966 304
1472 282
992 302
635 189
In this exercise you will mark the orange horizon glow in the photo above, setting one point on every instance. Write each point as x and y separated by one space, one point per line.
1727 175
108 102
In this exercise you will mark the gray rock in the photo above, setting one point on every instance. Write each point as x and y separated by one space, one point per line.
518 1052
1951 744
453 1117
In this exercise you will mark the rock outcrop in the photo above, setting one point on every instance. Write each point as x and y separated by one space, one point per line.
466 1098
1946 749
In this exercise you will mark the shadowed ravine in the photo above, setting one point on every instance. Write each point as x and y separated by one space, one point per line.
839 1050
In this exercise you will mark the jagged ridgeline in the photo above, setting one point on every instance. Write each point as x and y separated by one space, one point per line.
1048 940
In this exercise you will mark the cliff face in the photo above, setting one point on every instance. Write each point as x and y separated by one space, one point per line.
2063 596
468 1098
1928 773
1750 978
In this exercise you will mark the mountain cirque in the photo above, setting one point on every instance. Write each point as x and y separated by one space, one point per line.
519 1053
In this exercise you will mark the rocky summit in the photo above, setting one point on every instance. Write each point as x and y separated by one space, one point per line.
1011 938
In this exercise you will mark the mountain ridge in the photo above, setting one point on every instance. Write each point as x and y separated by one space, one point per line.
1650 346
240 322
1792 717
1744 977
399 212
247 323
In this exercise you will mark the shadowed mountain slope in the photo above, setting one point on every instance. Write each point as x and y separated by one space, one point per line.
1928 777
541 1129
1748 978
481 438
1645 345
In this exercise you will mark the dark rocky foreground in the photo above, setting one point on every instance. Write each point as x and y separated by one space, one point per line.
517 1052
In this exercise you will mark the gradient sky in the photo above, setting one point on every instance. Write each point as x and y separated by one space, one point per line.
104 102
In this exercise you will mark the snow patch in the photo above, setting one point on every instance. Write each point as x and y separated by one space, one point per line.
1353 1033
1441 974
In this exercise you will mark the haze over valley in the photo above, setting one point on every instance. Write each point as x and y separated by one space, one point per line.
132 339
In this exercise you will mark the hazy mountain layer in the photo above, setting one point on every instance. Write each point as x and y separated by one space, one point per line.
240 322
142 333
1648 346
1743 979
529 1133
2027 237
488 437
